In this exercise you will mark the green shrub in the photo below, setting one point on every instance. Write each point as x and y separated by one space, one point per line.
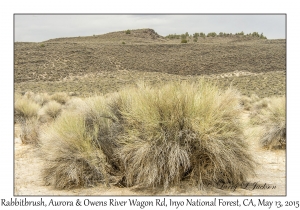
202 35
42 45
262 36
182 131
241 33
212 34
123 42
173 36
255 34
184 41
128 32
196 35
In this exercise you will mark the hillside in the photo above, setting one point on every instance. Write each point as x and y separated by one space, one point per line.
133 36
146 52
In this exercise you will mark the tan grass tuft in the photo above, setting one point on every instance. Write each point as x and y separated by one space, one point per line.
51 109
60 97
182 131
41 98
25 109
73 157
274 124
30 131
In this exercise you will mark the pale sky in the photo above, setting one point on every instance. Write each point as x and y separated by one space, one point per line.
41 27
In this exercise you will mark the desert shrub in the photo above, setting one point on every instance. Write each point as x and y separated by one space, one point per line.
182 131
60 97
196 35
183 41
248 102
29 94
255 34
25 109
202 35
254 97
173 36
42 45
41 98
262 104
86 134
17 95
274 125
30 131
74 103
51 109
123 42
212 34
73 157
261 36
257 111
128 31
72 94
240 33
99 116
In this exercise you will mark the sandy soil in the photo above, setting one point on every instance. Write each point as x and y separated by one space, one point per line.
270 172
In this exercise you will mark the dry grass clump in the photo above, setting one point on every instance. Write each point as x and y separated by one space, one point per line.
73 156
74 103
51 109
104 123
60 97
274 124
182 131
25 109
41 98
247 102
29 94
26 114
150 136
30 131
256 115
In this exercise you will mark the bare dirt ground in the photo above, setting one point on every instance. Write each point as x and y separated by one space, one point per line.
271 172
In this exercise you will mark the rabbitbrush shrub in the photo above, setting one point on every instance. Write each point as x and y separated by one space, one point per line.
79 145
150 137
182 131
73 157
26 114
60 97
25 109
30 131
274 124
51 109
